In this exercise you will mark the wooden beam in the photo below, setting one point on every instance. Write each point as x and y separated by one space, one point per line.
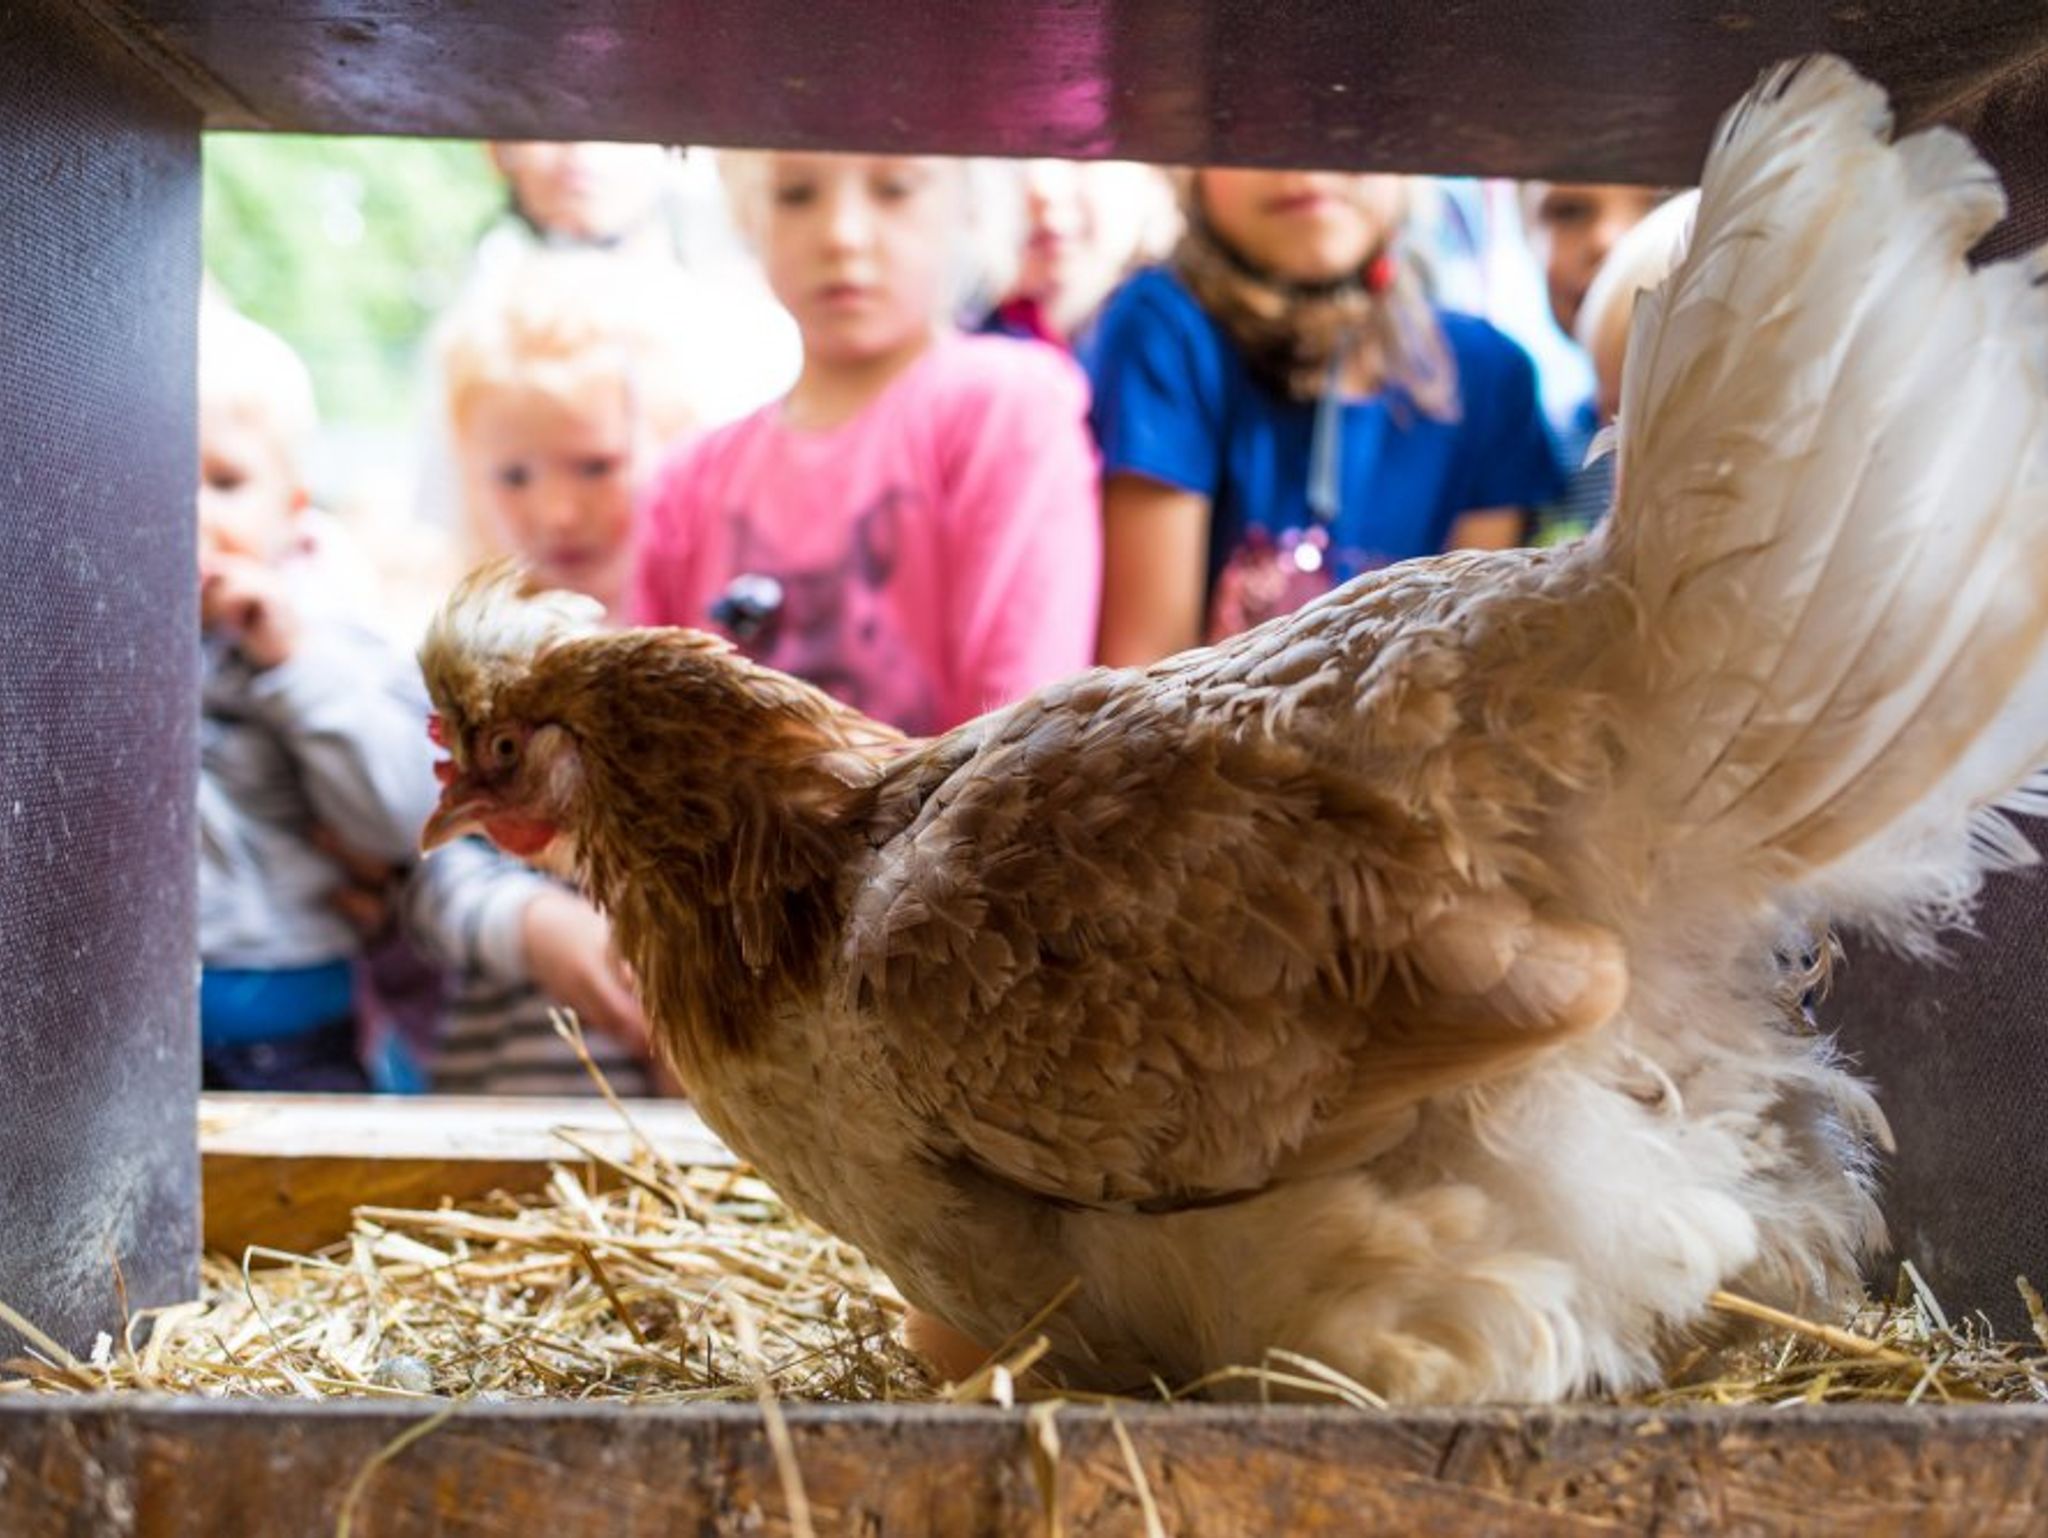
286 1171
185 1469
1601 90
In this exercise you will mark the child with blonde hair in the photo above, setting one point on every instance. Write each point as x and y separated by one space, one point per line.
1085 227
562 375
912 527
1640 260
311 758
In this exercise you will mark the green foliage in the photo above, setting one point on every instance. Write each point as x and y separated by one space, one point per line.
348 248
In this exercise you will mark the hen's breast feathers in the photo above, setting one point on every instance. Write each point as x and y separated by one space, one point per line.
1163 937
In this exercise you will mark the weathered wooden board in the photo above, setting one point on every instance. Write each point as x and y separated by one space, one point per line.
1602 89
286 1171
193 1470
99 1037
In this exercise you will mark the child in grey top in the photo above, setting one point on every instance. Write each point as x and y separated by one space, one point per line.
311 732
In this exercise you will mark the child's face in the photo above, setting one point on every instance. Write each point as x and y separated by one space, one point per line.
1577 224
250 495
1082 223
1303 226
586 191
857 248
552 477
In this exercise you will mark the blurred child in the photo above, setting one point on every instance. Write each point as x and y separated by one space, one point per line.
1086 226
913 526
1468 241
1573 225
1571 228
647 229
574 193
1638 258
559 387
1641 260
654 202
561 380
1279 408
311 756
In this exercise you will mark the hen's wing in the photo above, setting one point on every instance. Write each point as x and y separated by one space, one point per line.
1834 516
1163 937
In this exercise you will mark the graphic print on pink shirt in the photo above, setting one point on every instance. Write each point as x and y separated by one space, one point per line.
830 623
937 555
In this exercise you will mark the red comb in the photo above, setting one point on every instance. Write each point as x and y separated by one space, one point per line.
436 733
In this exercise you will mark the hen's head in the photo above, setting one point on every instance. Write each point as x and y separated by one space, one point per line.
512 770
560 732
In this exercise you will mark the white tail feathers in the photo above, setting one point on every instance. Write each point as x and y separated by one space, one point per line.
1834 508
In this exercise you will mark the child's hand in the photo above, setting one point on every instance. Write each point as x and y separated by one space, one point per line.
570 958
245 601
369 891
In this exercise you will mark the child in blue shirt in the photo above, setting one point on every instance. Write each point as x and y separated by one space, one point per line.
1279 409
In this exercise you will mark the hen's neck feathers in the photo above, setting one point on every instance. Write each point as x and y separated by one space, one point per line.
721 803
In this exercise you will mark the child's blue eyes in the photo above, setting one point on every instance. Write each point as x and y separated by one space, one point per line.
515 476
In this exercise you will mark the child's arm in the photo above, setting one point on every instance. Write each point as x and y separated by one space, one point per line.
464 906
484 915
353 718
1023 533
1488 528
1159 416
1511 465
1155 548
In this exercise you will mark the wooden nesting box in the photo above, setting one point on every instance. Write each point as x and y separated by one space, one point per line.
101 105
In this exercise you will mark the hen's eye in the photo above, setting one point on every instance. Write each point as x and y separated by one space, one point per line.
503 747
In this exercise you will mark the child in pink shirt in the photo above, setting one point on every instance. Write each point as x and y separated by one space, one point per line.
913 527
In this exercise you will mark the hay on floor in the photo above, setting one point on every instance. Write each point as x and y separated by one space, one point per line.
638 1280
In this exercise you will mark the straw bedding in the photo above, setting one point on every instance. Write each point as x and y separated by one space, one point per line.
638 1280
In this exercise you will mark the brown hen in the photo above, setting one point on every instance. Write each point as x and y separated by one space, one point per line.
1402 983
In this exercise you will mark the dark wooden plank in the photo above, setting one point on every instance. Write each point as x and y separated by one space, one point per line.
172 1469
1598 89
1959 1049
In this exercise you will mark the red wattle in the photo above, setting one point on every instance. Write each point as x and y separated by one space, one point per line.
519 835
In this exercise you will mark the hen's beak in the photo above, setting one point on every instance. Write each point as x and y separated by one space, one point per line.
462 809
